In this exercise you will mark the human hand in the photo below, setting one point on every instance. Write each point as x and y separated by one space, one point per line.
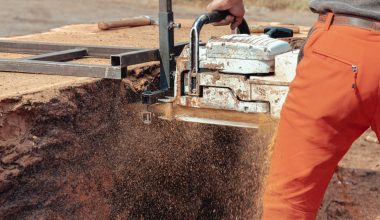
235 7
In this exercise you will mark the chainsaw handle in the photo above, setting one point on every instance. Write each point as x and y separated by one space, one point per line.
217 16
202 20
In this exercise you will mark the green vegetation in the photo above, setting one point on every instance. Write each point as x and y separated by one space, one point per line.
272 4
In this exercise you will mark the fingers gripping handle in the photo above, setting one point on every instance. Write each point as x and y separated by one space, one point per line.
197 27
212 17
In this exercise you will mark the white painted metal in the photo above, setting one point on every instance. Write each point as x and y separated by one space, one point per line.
239 66
246 47
242 54
225 99
239 93
286 65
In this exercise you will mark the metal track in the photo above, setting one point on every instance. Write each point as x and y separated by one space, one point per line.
61 55
142 56
40 47
60 68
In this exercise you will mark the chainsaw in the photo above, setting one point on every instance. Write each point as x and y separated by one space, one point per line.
231 80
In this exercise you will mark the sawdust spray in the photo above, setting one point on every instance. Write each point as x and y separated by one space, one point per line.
176 170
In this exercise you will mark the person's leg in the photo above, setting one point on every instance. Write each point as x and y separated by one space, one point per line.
330 104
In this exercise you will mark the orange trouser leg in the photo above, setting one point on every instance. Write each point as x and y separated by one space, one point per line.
332 101
376 121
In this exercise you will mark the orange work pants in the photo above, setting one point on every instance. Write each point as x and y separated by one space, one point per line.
333 100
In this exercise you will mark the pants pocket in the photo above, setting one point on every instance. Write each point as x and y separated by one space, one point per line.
351 66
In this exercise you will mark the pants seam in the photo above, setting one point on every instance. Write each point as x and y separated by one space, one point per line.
377 106
296 207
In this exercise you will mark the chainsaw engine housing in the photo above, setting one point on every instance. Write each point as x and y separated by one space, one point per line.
237 73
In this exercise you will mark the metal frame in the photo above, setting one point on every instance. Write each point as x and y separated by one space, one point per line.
49 58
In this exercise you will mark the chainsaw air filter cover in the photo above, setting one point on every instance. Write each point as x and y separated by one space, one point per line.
242 54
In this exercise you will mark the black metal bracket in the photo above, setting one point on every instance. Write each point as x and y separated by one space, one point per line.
152 97
167 55
168 52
